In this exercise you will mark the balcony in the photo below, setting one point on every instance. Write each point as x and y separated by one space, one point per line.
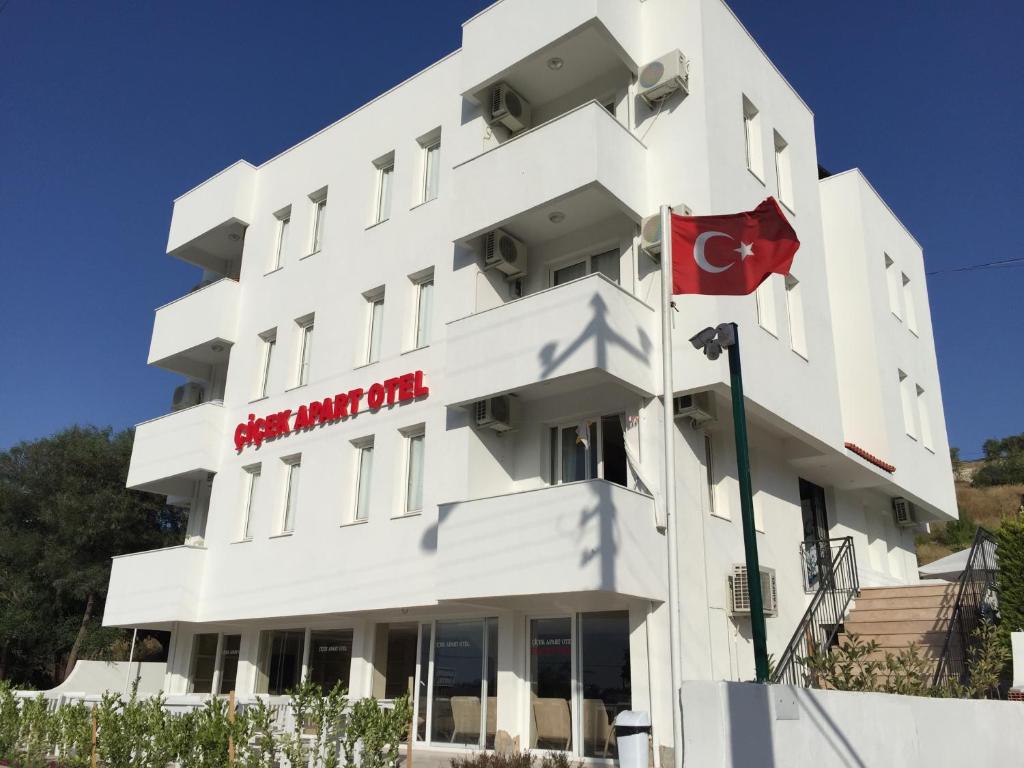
584 160
577 537
588 329
509 39
195 333
208 224
150 589
173 451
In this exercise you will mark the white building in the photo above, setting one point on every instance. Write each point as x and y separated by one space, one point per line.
517 580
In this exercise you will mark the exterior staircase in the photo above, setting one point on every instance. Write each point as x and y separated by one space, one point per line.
895 617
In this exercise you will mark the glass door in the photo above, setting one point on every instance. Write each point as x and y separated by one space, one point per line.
815 523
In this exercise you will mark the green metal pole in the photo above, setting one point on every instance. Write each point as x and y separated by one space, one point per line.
739 418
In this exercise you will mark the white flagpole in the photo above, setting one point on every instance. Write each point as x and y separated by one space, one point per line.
670 485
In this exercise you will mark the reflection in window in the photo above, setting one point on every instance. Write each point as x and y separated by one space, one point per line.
551 683
204 661
229 663
330 658
605 678
464 696
280 663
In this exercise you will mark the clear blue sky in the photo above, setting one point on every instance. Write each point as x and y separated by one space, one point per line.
109 110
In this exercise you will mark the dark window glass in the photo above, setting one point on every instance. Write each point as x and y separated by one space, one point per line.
613 448
282 660
229 663
424 661
551 684
604 674
458 667
204 660
401 663
330 658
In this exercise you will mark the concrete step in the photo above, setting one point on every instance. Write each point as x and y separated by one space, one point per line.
899 614
914 601
907 591
901 641
898 627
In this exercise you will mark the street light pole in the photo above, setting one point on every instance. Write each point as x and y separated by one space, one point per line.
739 419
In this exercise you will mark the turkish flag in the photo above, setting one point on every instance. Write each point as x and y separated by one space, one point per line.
731 255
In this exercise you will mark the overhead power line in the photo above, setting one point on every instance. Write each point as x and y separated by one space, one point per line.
1002 263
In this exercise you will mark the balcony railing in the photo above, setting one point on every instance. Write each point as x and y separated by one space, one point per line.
576 537
173 451
155 588
587 326
196 331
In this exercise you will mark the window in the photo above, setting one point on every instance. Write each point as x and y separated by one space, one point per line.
752 135
607 263
592 448
783 172
893 283
330 657
252 481
924 420
305 350
424 310
319 223
375 327
269 344
431 169
908 304
291 494
709 476
414 472
279 668
230 647
579 681
284 221
204 663
795 309
385 174
364 473
907 399
764 296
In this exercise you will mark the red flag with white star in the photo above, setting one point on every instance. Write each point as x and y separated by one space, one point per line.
732 254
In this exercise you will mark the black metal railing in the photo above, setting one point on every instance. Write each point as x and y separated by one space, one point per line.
835 574
977 601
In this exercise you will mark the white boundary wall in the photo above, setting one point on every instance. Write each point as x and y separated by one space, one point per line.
756 726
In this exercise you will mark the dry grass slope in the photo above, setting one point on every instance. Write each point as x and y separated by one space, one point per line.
986 507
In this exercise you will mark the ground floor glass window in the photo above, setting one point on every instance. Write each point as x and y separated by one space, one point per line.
330 657
204 662
280 663
229 663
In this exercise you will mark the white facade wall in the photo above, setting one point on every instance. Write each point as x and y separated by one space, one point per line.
495 538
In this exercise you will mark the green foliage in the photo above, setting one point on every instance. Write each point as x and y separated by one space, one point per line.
379 731
1004 462
514 760
1010 579
855 665
64 512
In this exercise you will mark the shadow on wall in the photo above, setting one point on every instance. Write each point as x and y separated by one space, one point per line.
603 336
748 721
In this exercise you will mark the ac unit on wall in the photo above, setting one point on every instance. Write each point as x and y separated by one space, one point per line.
499 413
903 511
664 76
739 591
509 108
187 395
504 253
698 407
650 229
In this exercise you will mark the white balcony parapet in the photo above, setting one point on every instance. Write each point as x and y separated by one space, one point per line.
155 588
585 148
589 325
509 31
187 331
172 451
575 537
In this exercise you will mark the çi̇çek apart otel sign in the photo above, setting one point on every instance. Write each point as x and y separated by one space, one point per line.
400 389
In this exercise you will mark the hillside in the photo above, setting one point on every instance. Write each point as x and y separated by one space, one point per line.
987 507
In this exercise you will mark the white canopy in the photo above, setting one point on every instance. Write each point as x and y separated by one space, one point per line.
947 568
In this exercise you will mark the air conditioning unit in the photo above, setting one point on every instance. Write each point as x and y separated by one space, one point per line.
698 407
903 511
664 76
650 229
509 108
504 253
187 395
739 591
499 413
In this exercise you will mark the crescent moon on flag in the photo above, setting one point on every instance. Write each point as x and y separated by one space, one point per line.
698 252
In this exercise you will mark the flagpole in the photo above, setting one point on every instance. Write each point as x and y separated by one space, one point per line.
668 421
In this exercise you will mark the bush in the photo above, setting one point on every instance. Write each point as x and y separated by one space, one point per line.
516 760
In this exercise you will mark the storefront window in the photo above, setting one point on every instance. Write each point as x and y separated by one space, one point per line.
604 677
229 663
280 667
204 661
458 667
330 657
551 683
422 668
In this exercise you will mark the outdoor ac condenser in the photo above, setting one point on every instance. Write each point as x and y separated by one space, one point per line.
903 511
739 591
509 108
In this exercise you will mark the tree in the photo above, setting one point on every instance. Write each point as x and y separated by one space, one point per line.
1010 551
1004 462
955 460
64 512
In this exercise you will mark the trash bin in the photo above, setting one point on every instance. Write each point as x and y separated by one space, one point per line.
631 733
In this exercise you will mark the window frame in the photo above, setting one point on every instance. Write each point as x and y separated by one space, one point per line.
361 446
284 220
269 339
409 435
909 404
555 445
385 189
428 146
587 257
292 486
306 326
316 239
374 297
909 308
253 473
753 140
783 170
421 324
796 317
892 286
